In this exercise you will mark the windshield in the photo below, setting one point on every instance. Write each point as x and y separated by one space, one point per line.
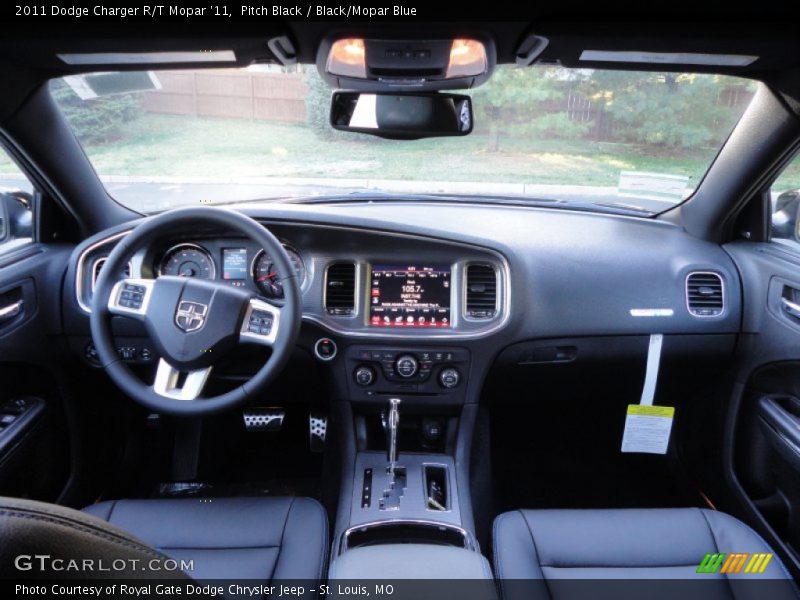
615 140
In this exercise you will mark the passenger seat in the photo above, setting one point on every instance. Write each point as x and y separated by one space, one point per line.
621 544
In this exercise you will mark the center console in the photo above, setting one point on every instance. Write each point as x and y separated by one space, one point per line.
405 504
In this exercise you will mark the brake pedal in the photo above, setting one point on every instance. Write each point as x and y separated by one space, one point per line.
317 429
263 419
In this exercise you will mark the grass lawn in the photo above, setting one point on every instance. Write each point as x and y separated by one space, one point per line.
163 145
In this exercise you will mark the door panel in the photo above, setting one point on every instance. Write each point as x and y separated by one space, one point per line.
762 443
35 452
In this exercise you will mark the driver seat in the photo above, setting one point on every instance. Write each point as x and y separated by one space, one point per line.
258 539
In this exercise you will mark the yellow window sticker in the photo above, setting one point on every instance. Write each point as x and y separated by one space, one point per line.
647 428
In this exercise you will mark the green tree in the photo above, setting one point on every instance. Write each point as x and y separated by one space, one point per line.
318 104
98 120
683 110
513 97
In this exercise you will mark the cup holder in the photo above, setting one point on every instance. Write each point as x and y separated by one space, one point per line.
406 532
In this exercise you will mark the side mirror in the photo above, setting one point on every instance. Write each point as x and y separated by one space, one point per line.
786 216
402 116
16 216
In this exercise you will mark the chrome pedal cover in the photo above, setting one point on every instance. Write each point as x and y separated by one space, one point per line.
317 429
263 419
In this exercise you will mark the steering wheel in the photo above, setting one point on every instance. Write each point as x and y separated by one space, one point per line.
193 323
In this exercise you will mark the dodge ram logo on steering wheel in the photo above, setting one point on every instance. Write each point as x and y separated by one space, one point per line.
190 316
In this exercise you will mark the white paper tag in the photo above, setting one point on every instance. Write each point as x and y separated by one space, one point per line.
647 428
651 375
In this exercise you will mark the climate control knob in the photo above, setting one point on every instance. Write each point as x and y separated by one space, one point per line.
407 365
449 378
364 375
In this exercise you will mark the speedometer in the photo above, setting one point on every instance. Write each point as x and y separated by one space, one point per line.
187 260
268 278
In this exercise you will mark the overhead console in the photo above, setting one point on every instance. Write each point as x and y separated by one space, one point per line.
406 64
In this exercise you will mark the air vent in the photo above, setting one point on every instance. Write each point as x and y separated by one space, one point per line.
340 289
98 265
704 294
481 291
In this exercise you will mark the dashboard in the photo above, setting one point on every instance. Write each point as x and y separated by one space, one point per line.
353 282
484 277
420 303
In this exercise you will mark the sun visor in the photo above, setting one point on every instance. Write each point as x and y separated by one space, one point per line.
668 58
148 58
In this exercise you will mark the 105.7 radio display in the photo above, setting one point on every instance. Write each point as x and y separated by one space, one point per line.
409 296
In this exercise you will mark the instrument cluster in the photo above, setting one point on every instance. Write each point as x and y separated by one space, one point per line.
239 265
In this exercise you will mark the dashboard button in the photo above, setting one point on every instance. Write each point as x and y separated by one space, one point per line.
407 366
364 375
325 349
449 378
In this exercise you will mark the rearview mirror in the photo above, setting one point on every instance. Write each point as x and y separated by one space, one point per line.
402 116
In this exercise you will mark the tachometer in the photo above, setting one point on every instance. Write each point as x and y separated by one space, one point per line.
267 277
187 260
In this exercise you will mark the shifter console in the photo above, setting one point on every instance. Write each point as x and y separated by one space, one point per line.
390 499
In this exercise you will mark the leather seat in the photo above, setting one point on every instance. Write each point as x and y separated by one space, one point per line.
624 544
255 539
259 539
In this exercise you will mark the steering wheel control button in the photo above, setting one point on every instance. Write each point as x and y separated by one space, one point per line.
132 296
364 375
325 349
407 366
260 323
449 378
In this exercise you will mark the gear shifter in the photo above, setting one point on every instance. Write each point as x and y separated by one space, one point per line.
392 422
395 476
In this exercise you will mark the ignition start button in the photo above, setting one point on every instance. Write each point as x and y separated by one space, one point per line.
325 349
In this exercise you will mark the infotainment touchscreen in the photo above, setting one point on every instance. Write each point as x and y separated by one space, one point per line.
409 296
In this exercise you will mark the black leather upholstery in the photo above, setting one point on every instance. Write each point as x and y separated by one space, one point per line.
621 544
29 528
258 539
